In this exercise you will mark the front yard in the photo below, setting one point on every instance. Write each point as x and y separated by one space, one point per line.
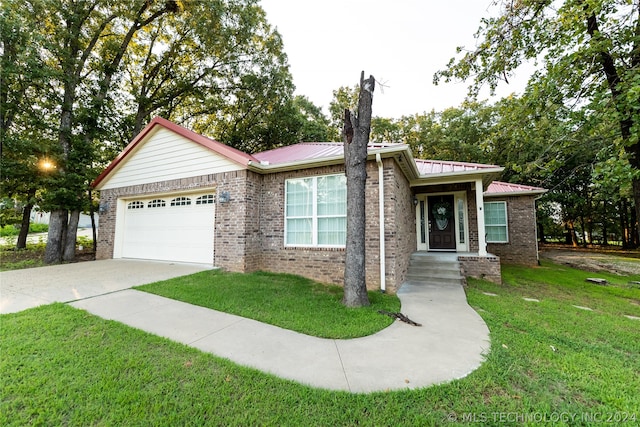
568 354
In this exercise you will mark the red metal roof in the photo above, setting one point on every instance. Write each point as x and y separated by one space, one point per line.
308 151
301 151
497 187
432 167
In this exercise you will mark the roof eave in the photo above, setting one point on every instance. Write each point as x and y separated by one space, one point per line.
516 193
486 175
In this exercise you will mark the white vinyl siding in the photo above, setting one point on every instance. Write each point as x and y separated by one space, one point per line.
495 218
316 211
164 156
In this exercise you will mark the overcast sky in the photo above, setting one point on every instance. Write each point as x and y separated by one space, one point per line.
402 43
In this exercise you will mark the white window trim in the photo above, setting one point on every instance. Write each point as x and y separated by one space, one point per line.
461 246
506 223
314 215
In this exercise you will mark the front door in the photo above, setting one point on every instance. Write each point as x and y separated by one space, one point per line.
442 230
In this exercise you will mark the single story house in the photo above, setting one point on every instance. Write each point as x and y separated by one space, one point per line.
175 195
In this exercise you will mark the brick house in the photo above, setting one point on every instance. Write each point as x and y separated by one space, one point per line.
175 195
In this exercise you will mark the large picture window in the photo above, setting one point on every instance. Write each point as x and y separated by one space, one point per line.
495 220
316 211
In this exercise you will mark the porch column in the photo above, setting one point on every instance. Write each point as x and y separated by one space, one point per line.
482 240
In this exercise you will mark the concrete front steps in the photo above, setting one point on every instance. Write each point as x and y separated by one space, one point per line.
435 268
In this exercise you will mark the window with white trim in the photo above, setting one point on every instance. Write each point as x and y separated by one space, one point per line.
135 205
495 221
207 199
156 203
316 211
181 201
461 232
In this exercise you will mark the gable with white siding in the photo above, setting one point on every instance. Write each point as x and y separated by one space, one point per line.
165 155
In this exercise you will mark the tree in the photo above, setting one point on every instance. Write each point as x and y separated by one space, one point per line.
344 98
590 51
84 43
25 138
221 70
356 131
80 77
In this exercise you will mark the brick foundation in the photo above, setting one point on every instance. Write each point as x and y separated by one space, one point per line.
487 268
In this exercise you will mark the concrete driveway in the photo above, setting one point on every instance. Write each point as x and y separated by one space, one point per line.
23 289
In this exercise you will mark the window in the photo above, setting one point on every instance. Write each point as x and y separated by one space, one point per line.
181 201
316 211
495 219
157 203
461 232
135 205
207 199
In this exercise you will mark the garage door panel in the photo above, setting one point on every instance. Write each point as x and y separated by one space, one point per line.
182 233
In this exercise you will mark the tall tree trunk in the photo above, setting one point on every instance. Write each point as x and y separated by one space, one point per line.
57 233
26 220
605 219
92 214
356 138
69 247
623 224
625 117
635 214
633 225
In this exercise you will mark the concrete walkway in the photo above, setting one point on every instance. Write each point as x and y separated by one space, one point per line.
31 287
450 343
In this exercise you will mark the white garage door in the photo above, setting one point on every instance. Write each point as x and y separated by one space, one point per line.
173 228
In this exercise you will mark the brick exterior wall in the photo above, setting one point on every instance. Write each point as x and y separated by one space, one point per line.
400 224
487 268
522 247
249 229
327 264
321 264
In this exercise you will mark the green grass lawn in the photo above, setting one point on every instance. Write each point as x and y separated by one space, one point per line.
284 300
550 364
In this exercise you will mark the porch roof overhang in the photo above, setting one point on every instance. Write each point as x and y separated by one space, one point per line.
507 189
487 176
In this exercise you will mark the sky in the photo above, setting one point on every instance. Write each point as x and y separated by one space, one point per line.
402 43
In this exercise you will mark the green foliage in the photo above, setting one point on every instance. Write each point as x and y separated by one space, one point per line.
12 230
344 98
583 97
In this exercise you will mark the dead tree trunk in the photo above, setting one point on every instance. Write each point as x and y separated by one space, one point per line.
356 138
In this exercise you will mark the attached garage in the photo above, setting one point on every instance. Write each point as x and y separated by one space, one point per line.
160 201
178 227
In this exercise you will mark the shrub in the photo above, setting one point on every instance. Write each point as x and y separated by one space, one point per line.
12 230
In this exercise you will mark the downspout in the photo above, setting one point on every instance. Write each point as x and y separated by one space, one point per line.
482 240
535 225
381 216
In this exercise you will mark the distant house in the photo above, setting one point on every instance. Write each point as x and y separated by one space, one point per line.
39 217
175 195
